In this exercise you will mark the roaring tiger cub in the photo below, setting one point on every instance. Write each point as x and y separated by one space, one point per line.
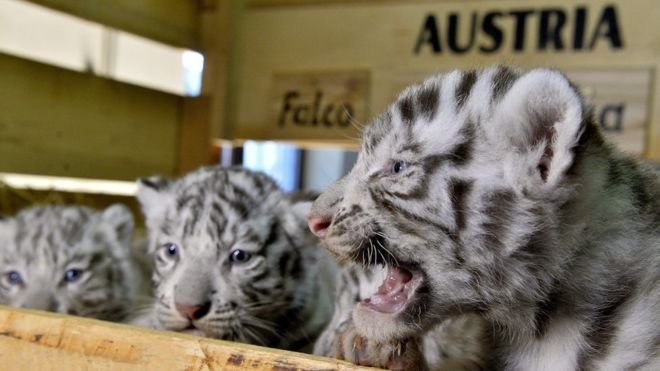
493 192
69 259
234 259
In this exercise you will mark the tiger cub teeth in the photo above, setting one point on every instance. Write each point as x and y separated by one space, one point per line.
395 292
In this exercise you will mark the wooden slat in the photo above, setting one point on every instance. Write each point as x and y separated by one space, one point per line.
31 340
195 146
169 21
653 147
347 145
218 21
277 3
14 200
59 122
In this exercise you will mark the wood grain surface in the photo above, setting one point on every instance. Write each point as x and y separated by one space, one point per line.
32 340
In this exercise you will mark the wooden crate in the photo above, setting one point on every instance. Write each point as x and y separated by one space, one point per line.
34 340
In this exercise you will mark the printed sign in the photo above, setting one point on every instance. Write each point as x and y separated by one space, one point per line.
540 29
318 105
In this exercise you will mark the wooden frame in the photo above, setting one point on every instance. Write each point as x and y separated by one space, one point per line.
65 123
392 40
283 3
32 340
170 21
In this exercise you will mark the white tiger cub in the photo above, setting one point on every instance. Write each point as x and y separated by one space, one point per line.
493 192
234 259
69 259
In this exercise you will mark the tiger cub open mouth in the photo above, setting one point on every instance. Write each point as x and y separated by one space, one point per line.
396 292
400 286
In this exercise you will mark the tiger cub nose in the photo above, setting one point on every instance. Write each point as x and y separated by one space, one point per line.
193 312
319 224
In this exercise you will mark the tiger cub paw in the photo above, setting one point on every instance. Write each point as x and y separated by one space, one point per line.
393 355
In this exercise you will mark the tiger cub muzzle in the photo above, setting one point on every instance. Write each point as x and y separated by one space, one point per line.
352 235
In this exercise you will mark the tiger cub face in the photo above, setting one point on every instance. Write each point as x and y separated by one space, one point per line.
233 257
455 185
68 259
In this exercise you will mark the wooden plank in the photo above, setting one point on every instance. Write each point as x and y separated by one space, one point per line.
60 122
384 39
31 340
218 21
169 21
653 147
282 3
14 200
195 146
347 144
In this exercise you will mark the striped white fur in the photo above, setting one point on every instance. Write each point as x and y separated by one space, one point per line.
496 191
69 259
276 293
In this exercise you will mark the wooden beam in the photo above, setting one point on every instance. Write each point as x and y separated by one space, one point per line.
195 145
31 340
59 122
346 145
205 117
218 22
14 200
277 3
169 21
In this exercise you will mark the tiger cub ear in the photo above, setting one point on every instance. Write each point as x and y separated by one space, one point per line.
542 117
153 193
120 219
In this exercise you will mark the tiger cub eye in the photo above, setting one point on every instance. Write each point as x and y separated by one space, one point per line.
14 278
398 167
72 275
171 249
239 256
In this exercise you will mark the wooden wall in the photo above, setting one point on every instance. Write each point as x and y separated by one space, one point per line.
59 122
339 62
169 21
379 37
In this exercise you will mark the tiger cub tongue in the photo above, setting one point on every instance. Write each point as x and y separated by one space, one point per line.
391 295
